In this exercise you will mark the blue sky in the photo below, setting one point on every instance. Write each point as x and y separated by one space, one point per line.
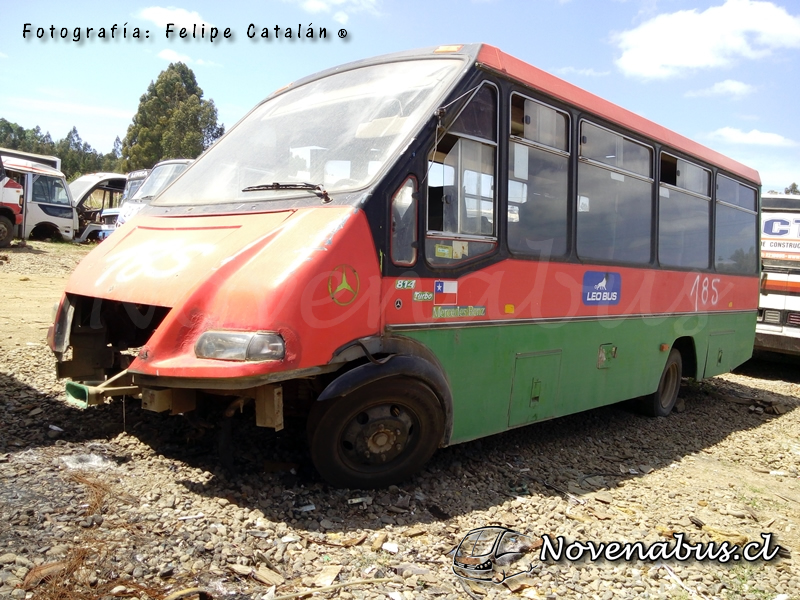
723 72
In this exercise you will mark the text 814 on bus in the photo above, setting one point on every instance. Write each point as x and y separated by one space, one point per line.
418 250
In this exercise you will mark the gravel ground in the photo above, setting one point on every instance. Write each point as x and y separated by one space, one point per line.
118 502
42 258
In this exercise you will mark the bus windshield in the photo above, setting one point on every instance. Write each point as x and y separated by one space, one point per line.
338 132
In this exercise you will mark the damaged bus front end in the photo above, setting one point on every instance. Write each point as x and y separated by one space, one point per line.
255 278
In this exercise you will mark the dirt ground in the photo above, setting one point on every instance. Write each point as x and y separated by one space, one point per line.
27 307
32 280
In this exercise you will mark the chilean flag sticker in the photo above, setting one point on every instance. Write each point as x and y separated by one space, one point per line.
445 292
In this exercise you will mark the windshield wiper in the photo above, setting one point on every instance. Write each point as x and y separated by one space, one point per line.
310 187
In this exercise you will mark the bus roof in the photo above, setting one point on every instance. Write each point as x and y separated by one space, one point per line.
551 85
770 200
51 161
18 164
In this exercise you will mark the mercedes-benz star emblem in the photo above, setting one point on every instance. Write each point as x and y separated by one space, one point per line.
343 285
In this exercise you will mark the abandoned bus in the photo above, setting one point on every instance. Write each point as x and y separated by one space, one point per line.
419 250
778 326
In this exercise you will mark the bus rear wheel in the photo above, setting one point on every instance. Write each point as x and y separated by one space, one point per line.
661 402
376 436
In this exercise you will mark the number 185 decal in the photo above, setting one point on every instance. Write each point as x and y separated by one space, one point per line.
704 292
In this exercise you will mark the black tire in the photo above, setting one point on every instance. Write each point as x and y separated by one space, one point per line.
661 402
379 435
6 232
46 232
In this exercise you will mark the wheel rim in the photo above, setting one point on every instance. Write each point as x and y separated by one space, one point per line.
669 386
378 435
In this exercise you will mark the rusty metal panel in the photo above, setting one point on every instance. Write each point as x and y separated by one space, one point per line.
606 354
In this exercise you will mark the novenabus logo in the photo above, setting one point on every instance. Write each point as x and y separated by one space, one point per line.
492 554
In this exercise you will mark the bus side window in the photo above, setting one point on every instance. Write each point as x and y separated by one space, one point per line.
684 214
462 198
404 224
615 197
538 177
735 227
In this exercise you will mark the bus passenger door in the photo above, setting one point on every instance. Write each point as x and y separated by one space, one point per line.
48 201
535 387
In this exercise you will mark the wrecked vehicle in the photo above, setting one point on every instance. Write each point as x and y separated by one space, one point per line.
164 173
47 210
134 181
11 202
345 254
95 197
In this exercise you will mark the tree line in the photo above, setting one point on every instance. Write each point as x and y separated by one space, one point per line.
173 121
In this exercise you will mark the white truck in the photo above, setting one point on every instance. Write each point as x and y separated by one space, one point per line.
47 208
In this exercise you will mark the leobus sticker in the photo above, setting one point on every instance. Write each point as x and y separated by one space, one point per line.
601 288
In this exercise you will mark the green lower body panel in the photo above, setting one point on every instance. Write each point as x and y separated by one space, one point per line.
503 376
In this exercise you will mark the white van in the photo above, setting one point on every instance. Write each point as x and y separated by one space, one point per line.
47 209
96 197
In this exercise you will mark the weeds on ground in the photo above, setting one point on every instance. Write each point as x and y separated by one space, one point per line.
740 586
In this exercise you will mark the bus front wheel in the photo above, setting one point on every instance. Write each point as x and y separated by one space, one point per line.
6 231
376 436
661 402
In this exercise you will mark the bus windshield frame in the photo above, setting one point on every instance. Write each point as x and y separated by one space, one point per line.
340 131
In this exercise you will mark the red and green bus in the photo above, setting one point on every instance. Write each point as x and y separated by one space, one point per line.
419 250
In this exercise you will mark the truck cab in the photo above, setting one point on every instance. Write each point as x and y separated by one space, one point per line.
10 207
47 210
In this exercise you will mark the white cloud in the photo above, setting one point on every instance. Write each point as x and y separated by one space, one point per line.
179 16
671 44
754 137
173 56
729 87
341 9
3 55
584 72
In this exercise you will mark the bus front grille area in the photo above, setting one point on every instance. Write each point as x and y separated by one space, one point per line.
779 317
101 334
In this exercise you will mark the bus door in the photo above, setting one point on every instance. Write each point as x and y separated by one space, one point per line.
48 207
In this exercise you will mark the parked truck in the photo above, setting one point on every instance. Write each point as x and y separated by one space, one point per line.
10 207
46 203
